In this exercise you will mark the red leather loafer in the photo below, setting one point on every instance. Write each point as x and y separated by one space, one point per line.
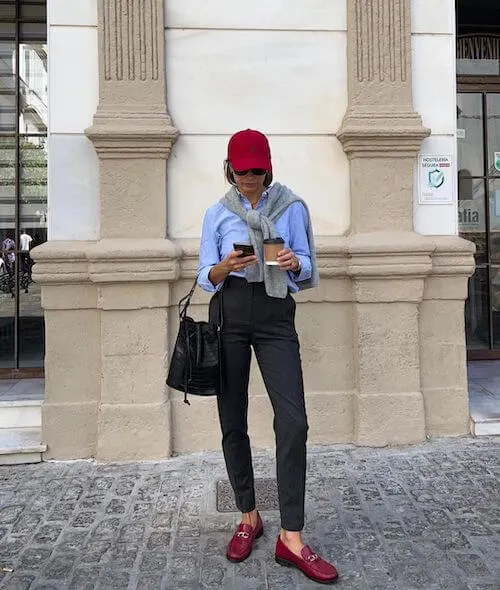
309 563
241 544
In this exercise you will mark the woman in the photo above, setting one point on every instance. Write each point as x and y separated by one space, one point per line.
259 311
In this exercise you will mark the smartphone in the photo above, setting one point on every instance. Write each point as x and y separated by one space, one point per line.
247 249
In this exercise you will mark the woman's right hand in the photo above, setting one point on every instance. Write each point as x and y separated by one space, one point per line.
232 263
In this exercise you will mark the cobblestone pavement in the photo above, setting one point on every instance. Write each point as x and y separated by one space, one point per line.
424 518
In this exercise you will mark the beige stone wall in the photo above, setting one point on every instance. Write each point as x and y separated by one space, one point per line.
368 359
383 357
382 337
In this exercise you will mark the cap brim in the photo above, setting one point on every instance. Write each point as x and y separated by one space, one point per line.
249 162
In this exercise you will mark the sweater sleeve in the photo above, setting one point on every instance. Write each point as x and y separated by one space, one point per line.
299 242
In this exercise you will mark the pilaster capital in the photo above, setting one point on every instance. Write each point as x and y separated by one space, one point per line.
129 261
60 262
389 255
452 255
376 132
120 135
107 261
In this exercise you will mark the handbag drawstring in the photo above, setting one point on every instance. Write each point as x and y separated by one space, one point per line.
187 372
184 304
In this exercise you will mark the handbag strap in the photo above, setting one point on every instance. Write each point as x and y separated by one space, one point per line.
185 302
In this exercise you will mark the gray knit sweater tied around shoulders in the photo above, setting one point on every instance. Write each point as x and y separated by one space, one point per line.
261 226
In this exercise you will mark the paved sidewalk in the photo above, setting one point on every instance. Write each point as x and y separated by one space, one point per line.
422 518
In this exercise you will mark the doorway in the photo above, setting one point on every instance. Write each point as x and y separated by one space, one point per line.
23 182
478 160
478 139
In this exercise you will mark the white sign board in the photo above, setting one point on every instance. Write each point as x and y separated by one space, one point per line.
435 179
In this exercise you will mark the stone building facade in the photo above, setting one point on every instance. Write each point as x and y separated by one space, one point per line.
350 93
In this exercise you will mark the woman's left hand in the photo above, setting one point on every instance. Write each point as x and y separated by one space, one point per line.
287 260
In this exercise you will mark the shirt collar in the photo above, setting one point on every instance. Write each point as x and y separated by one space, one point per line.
260 203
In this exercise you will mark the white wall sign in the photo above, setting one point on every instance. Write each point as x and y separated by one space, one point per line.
436 178
460 133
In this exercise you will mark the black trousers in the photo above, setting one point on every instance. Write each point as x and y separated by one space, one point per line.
252 318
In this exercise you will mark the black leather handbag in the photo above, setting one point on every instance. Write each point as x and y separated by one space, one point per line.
195 366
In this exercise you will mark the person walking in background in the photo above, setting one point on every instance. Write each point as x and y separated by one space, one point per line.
257 246
5 279
9 259
26 264
9 254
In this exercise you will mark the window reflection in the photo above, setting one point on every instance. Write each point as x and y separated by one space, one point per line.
23 178
493 130
7 78
33 88
470 143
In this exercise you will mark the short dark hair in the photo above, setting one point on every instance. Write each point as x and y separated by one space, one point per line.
228 173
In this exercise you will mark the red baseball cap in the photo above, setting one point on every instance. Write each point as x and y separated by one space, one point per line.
249 149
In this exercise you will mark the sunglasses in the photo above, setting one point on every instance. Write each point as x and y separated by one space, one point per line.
254 171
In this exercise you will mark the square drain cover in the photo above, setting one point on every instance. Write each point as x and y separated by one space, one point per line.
266 495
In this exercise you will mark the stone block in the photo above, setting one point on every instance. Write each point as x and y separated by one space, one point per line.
134 431
388 347
131 379
446 411
77 442
72 341
134 332
389 418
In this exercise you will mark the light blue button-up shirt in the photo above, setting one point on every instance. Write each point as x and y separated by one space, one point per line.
222 228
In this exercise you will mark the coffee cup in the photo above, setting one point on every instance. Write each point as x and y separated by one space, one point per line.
272 247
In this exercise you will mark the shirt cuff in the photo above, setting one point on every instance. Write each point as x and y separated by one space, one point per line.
205 283
305 270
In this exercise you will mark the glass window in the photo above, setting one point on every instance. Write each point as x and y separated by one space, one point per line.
477 310
495 259
472 215
470 146
23 179
7 77
33 10
478 67
493 132
7 9
478 54
8 254
495 220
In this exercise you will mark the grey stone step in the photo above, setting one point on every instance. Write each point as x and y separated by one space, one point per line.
21 389
485 426
21 445
21 413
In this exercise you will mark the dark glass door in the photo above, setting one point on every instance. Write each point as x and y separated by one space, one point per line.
23 178
478 137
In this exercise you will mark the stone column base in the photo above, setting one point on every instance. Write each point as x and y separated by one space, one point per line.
382 344
107 333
